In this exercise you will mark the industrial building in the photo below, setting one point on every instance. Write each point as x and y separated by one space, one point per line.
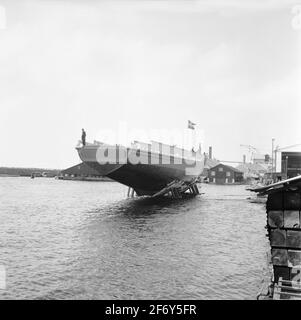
253 170
287 162
224 174
291 164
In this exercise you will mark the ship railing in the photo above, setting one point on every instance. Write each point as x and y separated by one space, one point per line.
165 149
98 143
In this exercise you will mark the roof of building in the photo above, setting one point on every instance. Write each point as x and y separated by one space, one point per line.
288 184
227 167
252 167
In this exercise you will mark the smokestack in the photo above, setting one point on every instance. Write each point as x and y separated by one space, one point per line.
244 158
210 152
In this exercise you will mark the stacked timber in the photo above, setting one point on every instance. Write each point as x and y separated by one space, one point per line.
284 232
283 212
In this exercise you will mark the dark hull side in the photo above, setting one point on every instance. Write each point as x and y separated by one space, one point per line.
145 179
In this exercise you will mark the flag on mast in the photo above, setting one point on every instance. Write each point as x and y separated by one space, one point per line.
191 125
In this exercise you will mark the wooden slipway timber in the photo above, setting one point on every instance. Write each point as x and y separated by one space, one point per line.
284 231
161 169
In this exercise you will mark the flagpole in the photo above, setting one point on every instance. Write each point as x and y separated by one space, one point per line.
191 126
193 138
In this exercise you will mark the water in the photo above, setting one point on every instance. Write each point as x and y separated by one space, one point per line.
85 240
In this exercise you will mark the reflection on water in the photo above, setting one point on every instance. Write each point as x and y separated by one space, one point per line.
85 240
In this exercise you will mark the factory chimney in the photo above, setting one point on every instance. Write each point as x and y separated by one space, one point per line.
210 152
244 158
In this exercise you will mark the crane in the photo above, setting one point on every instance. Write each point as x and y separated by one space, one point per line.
251 150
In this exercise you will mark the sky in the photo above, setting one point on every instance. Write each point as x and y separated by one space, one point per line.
127 69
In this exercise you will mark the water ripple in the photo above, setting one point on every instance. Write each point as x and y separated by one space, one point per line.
81 240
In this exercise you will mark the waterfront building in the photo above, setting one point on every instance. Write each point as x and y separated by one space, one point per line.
287 162
253 170
224 174
81 172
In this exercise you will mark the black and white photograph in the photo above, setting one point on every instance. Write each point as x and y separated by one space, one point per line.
150 150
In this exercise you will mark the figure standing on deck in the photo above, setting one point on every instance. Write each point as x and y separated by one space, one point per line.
83 137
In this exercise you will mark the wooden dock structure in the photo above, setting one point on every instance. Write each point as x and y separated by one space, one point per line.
284 231
175 189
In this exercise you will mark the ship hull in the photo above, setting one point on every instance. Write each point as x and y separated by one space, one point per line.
145 178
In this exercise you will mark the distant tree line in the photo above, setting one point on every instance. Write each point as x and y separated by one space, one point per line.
27 172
